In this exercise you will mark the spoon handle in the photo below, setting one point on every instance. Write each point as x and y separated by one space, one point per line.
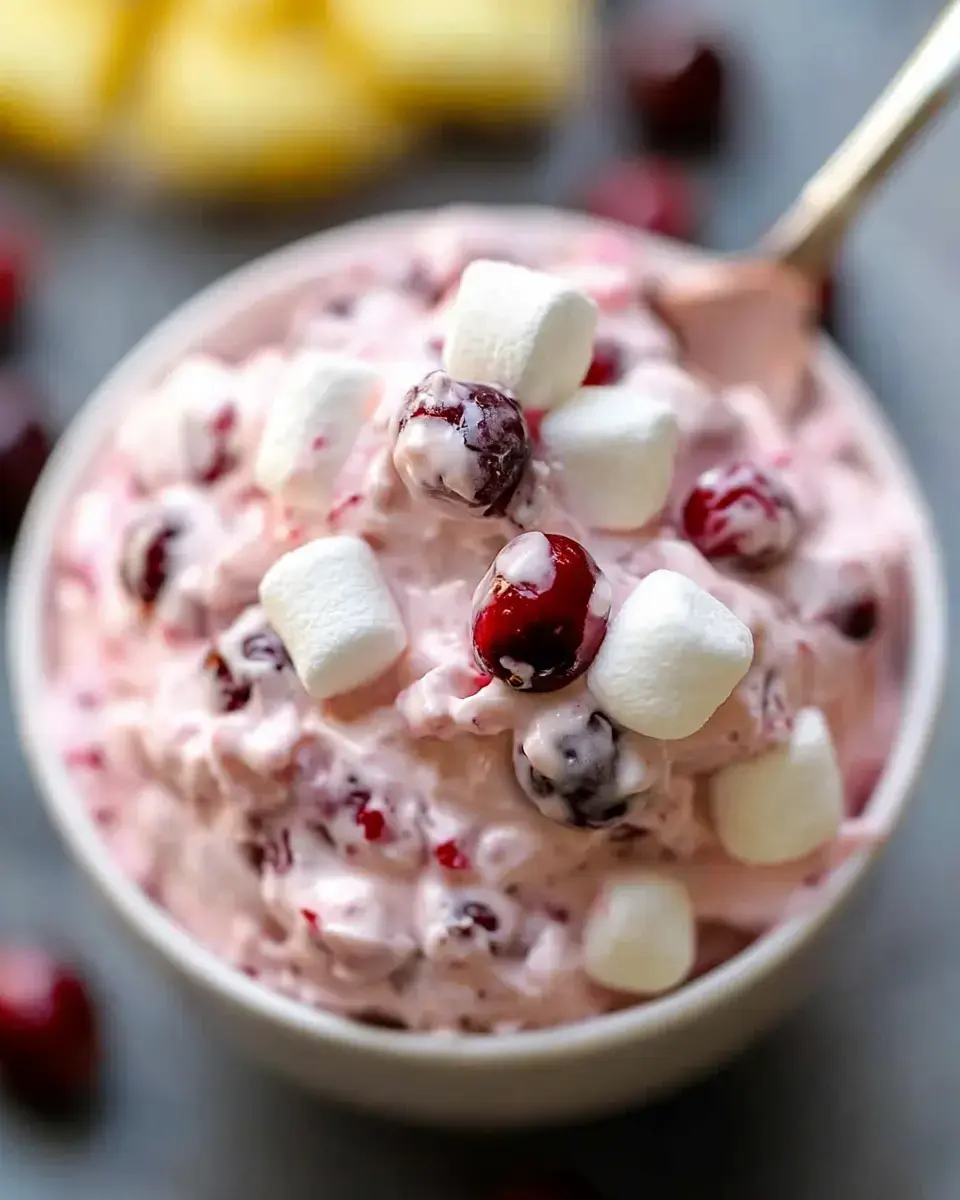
809 234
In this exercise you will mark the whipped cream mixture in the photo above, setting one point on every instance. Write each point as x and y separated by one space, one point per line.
427 850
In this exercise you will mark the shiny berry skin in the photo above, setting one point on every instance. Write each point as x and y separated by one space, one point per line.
676 83
741 513
578 783
540 613
647 194
606 366
49 1041
145 560
24 447
463 444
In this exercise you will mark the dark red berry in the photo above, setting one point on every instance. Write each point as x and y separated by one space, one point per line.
230 694
648 194
451 857
540 613
676 83
857 620
742 513
49 1042
145 560
465 444
372 822
577 783
266 647
474 912
24 447
606 366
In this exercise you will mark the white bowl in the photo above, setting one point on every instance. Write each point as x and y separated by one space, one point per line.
573 1071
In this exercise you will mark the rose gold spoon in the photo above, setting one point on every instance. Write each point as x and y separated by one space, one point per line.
751 321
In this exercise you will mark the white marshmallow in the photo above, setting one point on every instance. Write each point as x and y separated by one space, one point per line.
672 655
522 330
784 804
641 935
334 613
321 403
616 449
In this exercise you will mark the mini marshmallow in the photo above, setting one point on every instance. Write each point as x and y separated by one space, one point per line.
334 613
616 449
640 935
521 330
320 406
784 804
672 655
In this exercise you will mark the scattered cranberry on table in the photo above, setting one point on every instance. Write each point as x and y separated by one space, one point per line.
540 613
741 513
675 81
24 448
49 1038
646 193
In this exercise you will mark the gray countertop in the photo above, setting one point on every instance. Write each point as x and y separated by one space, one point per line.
856 1095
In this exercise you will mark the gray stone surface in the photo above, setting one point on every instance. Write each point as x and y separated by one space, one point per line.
855 1096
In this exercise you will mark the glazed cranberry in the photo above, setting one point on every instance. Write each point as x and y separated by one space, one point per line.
231 694
857 620
606 366
540 613
49 1044
742 513
465 444
451 857
24 447
145 560
676 83
648 194
266 647
577 785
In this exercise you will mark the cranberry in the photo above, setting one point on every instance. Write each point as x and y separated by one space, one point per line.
451 857
743 513
676 83
476 913
578 783
372 822
24 447
462 443
540 613
648 194
145 559
49 1044
606 366
266 647
857 620
231 694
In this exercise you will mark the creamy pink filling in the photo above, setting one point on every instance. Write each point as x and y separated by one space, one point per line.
375 855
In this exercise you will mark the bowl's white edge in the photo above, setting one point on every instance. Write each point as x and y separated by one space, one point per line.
160 349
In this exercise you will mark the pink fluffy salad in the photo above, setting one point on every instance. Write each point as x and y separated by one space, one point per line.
483 658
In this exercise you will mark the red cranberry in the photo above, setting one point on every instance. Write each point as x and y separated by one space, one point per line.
462 443
540 613
451 857
231 694
372 822
743 513
145 559
676 82
857 620
580 786
49 1044
648 194
24 447
476 913
606 366
266 647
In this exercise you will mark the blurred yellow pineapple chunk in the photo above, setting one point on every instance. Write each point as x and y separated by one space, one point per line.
220 110
62 63
469 59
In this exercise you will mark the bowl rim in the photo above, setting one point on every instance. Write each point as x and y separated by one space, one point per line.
274 274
